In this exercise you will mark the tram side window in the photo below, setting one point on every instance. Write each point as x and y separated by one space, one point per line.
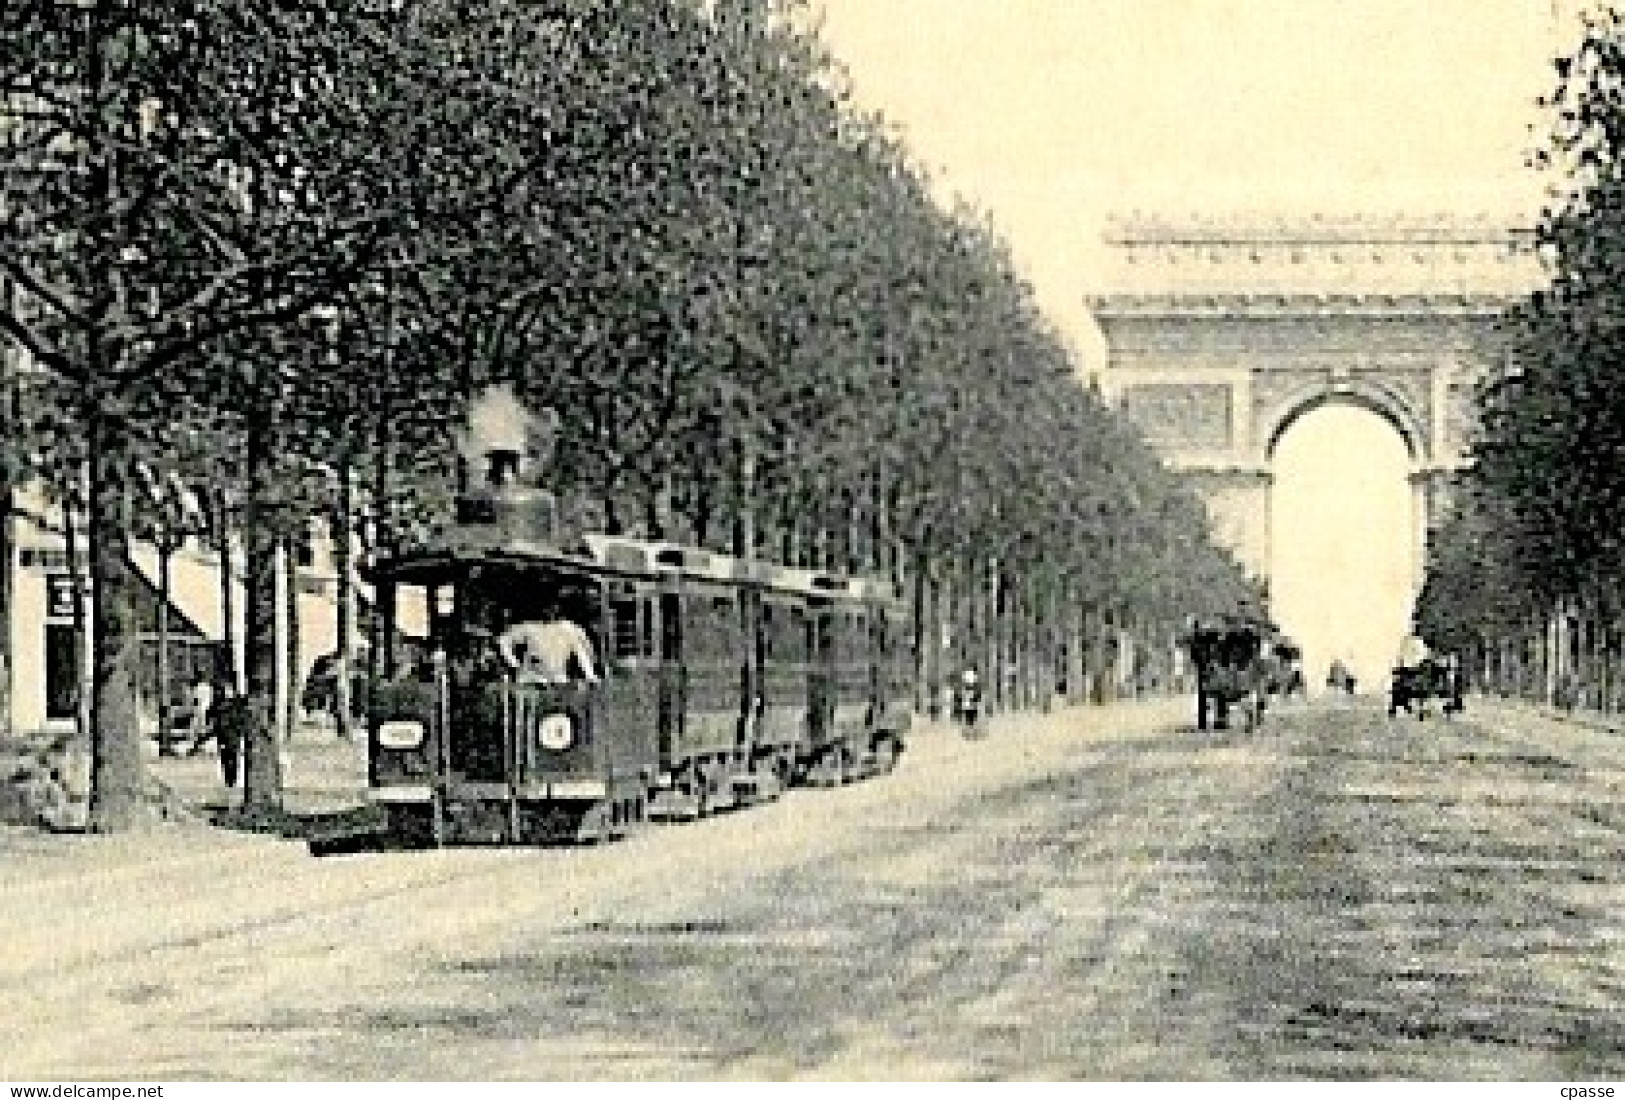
712 630
824 631
671 628
854 638
896 649
786 631
840 623
626 631
696 631
797 634
719 618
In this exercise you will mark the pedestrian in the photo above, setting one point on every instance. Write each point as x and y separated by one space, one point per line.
229 720
968 700
320 696
201 699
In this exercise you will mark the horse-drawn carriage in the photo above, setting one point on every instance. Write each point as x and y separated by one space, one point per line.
1236 665
1287 671
1414 685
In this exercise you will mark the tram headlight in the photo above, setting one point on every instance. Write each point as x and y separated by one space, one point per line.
555 732
401 734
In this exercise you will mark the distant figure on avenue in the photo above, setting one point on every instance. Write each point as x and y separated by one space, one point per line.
200 698
540 652
321 693
1339 678
968 699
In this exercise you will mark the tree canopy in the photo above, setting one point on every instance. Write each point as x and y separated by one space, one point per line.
258 246
1537 520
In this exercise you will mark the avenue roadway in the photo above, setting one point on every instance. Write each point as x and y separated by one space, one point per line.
1092 894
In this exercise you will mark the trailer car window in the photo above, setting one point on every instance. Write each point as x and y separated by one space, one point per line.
624 628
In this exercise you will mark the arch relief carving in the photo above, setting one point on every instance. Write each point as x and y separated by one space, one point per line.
1193 414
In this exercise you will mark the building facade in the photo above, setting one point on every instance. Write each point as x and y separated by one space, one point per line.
48 615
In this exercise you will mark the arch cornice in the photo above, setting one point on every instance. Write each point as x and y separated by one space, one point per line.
1262 306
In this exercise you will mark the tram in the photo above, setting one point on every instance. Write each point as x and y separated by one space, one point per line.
717 681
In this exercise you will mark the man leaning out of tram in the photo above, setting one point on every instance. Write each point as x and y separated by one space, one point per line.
540 651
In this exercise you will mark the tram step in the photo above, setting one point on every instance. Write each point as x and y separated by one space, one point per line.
761 786
671 805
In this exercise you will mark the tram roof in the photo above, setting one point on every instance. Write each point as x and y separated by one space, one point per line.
516 554
626 556
656 556
660 556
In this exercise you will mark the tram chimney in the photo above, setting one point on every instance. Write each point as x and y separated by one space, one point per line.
513 448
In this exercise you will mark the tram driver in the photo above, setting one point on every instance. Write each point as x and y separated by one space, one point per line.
540 651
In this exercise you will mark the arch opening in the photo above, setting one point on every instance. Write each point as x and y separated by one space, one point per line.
1386 407
1342 538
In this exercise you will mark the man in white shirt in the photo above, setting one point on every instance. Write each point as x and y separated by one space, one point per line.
540 652
201 698
1412 652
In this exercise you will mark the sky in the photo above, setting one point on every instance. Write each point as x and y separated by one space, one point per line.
1052 115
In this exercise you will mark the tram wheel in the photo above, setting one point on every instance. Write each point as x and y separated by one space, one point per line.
411 826
702 793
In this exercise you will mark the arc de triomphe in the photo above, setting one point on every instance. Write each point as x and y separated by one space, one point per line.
1222 332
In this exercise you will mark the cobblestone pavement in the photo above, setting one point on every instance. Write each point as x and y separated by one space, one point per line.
1100 894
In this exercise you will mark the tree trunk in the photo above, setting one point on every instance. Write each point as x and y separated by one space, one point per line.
343 533
6 492
1015 646
228 601
117 774
993 658
80 584
922 643
785 520
1050 646
8 415
262 758
1605 664
292 681
971 651
702 511
166 555
657 507
857 539
880 557
744 525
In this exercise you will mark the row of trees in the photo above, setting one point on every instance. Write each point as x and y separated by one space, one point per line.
1524 574
271 250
